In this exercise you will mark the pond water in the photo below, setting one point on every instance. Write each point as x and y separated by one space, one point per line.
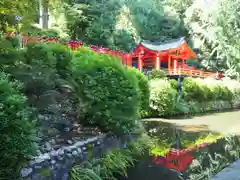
206 162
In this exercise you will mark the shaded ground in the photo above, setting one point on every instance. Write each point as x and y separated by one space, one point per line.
224 123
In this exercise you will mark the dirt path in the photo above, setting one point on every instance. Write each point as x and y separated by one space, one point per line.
224 123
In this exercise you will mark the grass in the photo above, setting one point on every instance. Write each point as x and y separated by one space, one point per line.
113 163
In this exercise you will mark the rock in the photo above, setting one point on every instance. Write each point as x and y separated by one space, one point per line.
79 144
79 150
39 161
26 172
53 142
69 142
69 155
60 152
60 140
53 162
66 129
60 158
57 146
41 117
53 154
48 146
75 153
31 162
45 156
38 167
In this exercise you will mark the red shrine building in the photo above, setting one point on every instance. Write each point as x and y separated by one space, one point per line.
170 56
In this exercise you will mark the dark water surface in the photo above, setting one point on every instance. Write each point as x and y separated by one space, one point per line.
207 162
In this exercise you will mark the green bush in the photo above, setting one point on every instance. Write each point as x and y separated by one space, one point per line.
173 83
50 55
16 126
144 91
62 54
39 54
199 95
9 56
108 91
192 90
14 41
157 74
163 98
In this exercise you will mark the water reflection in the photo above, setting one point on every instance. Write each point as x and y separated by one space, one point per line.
206 162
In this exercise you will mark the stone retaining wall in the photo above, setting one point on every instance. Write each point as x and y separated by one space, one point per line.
56 165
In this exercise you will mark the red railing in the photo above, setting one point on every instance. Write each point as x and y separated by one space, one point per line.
193 73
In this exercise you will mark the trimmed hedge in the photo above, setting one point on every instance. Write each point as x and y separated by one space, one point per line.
16 126
157 74
49 55
199 95
108 91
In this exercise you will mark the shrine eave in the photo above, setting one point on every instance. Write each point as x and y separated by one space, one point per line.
163 46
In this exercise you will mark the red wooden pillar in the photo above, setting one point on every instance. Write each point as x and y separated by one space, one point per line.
140 60
169 64
124 59
157 62
129 60
175 66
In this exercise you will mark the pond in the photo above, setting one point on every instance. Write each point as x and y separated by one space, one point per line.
207 161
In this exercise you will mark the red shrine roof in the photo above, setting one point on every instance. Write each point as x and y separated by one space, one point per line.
179 44
163 46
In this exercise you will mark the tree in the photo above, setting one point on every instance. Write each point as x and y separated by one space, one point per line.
215 30
9 9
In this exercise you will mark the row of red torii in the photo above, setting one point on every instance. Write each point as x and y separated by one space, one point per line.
170 56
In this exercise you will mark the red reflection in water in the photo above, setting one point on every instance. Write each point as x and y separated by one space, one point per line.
177 159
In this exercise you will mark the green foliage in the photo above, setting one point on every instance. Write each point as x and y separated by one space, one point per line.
17 128
15 42
173 83
219 155
192 90
9 55
198 96
49 55
39 54
162 98
113 163
144 91
109 92
120 24
62 54
10 9
157 74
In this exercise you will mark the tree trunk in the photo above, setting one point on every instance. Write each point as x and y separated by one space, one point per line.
43 9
